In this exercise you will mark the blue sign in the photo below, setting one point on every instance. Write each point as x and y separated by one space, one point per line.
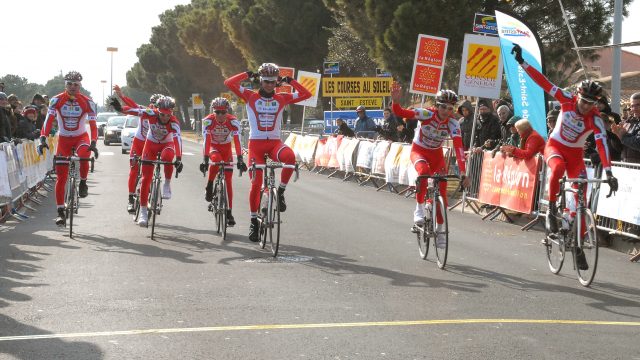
331 67
485 24
350 117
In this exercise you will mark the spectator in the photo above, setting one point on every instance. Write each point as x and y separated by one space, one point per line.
38 102
629 132
389 128
513 138
343 128
5 122
488 132
27 124
364 123
46 100
504 114
13 119
605 108
625 112
407 129
552 118
17 115
1 86
531 143
466 123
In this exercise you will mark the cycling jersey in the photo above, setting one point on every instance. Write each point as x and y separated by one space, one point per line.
72 114
265 113
134 109
162 133
217 133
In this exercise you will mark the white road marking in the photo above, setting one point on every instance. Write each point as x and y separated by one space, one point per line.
106 153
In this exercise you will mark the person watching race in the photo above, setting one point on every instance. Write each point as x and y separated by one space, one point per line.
132 108
72 110
264 110
578 118
436 124
163 137
218 130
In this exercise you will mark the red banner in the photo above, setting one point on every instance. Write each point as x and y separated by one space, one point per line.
509 183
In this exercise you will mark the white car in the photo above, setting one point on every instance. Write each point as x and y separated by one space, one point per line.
129 132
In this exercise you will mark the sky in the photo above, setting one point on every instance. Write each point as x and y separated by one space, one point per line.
59 36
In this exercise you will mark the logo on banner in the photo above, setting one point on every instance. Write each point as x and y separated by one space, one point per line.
428 64
512 29
485 24
427 79
482 61
310 84
431 51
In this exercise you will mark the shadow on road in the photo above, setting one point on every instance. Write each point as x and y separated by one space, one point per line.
17 268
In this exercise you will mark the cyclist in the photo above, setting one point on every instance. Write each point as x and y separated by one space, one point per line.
137 146
72 110
163 137
218 130
578 118
436 124
264 110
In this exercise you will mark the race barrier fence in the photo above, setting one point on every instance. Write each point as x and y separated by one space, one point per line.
22 173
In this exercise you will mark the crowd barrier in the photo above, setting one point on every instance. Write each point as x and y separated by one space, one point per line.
502 184
22 173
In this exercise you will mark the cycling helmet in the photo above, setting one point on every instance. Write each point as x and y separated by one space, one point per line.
589 91
165 105
73 76
154 98
446 97
269 72
219 103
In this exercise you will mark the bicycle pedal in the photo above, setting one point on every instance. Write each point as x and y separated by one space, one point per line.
415 229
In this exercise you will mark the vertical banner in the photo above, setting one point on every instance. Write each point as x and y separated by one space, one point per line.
311 82
284 72
528 97
428 64
481 67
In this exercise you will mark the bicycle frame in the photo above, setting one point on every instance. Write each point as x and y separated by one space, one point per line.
154 206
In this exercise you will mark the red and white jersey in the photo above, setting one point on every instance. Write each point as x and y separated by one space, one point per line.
133 108
573 128
163 133
220 133
265 113
432 131
72 115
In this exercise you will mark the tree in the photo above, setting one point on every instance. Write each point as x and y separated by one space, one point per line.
352 53
202 34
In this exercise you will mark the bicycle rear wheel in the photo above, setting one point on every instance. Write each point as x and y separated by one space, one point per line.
274 223
441 238
555 251
216 206
263 217
154 205
423 236
589 240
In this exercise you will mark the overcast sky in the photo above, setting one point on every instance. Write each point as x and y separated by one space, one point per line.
48 37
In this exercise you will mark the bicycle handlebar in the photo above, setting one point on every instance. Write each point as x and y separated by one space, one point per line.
587 181
276 165
72 158
220 163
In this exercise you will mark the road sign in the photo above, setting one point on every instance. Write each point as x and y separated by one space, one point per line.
356 86
382 73
352 103
428 64
331 67
196 102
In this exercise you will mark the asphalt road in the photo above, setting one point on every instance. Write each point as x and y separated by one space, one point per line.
348 284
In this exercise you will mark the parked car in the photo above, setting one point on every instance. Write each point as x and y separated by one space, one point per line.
101 121
113 129
128 133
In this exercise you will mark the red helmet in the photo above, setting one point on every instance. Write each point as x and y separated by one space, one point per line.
219 103
165 105
269 72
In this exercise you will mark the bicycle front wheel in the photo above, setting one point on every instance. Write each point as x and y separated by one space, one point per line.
274 223
216 206
441 241
263 217
71 204
154 205
222 208
588 241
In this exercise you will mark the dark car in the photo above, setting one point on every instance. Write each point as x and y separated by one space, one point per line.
101 121
113 129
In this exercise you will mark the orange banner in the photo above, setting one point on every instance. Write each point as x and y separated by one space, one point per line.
431 51
426 79
428 64
284 72
509 183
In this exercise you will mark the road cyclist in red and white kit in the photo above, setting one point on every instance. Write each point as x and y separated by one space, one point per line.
219 129
138 140
578 118
436 124
164 138
72 110
264 110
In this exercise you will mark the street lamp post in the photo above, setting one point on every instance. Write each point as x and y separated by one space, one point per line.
111 50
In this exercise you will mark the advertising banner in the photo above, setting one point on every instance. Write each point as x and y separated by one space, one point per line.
311 82
528 97
352 103
485 24
349 153
356 86
350 118
379 155
333 143
624 205
5 188
365 154
392 163
284 72
331 68
481 67
507 182
428 64
322 158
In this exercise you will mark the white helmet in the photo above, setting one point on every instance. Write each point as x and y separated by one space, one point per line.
269 72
